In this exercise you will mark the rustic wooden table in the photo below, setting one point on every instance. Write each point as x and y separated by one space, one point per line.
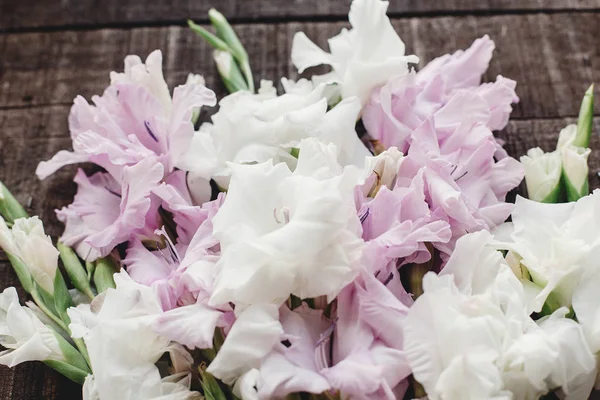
52 50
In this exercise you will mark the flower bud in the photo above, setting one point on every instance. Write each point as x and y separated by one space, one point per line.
228 35
31 249
575 171
574 163
585 120
542 175
75 270
10 208
229 71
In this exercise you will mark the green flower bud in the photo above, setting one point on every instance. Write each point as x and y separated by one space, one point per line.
543 175
585 120
75 270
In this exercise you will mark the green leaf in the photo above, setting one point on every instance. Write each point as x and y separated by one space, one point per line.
10 208
210 386
213 40
103 274
73 373
62 297
75 270
22 272
585 120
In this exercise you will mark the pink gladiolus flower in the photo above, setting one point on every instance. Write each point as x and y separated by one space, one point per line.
104 213
135 118
447 89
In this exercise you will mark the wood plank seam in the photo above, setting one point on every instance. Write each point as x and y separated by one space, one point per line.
287 19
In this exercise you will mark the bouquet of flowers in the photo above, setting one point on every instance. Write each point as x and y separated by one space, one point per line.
343 239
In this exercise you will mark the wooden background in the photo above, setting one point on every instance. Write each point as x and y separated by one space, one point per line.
52 50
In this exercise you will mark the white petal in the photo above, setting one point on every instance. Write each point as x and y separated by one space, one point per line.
251 338
306 54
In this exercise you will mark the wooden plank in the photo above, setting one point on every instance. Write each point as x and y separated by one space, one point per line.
27 14
553 57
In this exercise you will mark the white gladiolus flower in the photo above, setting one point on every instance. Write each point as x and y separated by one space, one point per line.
285 233
24 336
542 174
253 335
253 128
123 347
28 242
362 58
558 244
469 336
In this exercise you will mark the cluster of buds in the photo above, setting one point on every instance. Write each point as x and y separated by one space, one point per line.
562 175
230 55
40 331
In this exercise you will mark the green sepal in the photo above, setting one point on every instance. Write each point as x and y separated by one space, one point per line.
72 356
585 120
73 373
195 116
213 40
551 304
218 339
62 297
556 194
10 208
22 272
572 193
75 270
46 298
210 386
103 274
295 152
90 267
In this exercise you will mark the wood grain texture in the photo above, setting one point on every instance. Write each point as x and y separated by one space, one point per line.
553 57
28 14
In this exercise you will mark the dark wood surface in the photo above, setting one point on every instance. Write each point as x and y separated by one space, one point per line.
17 15
52 50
